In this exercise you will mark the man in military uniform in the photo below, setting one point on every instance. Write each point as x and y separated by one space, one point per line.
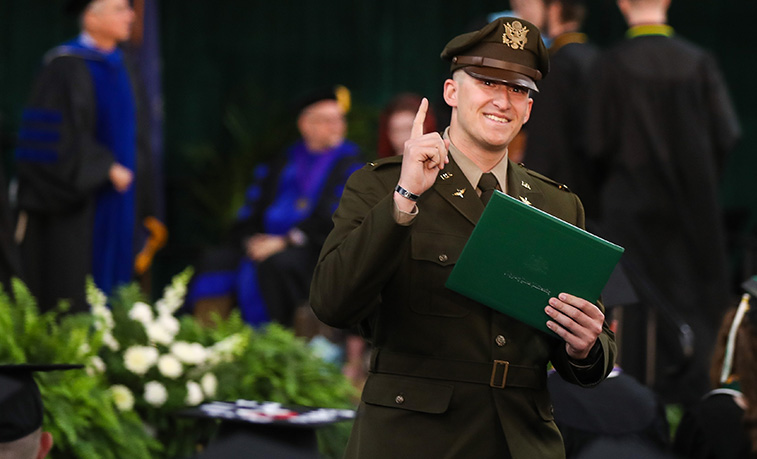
450 377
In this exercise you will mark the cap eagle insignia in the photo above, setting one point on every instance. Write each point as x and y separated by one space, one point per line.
515 35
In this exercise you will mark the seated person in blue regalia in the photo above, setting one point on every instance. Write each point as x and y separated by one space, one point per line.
286 217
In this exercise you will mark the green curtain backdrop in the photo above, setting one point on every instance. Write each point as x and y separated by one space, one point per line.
231 69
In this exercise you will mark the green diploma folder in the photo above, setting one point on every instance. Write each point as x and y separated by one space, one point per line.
519 256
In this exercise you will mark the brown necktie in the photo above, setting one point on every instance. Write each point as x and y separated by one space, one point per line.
487 184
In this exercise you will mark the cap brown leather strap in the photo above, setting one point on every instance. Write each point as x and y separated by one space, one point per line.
481 61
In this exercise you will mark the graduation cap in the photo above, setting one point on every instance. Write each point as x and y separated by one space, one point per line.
252 429
20 400
338 93
76 7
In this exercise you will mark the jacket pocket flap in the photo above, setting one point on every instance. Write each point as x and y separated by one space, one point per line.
407 393
442 249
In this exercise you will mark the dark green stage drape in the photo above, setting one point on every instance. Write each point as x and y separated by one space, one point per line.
232 67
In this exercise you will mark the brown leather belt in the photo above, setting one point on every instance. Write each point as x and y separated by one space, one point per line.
497 374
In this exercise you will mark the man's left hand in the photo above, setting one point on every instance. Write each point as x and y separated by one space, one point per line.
262 246
577 321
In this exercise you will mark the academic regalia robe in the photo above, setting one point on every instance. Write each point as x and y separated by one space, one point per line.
660 125
556 143
81 118
299 190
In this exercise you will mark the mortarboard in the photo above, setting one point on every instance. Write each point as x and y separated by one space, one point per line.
20 400
252 429
338 93
76 7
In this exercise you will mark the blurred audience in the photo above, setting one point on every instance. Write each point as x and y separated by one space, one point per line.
620 411
396 121
660 124
556 141
268 262
723 425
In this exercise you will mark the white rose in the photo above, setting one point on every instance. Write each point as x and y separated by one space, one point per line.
169 366
189 353
122 397
209 384
110 341
141 312
156 333
194 394
139 359
155 394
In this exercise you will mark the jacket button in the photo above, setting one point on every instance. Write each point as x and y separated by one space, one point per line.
399 400
500 340
443 258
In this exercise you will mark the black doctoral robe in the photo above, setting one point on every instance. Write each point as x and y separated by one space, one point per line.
660 125
556 143
57 197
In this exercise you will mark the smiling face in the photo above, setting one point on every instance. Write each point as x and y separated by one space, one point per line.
486 115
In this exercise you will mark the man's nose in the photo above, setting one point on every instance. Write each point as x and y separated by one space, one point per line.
502 98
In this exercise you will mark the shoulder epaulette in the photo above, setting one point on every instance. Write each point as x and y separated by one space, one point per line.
383 162
545 179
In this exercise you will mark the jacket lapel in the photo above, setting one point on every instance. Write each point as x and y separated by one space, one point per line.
521 186
453 187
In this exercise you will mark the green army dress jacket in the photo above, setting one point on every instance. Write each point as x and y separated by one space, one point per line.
449 376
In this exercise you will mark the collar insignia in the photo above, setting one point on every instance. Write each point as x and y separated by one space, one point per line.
459 193
515 35
525 185
445 175
525 200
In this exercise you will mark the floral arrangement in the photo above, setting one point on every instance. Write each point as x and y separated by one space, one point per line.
145 363
80 411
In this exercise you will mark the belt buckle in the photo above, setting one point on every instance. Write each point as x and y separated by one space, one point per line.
496 364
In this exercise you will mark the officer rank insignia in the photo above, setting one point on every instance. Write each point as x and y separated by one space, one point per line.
515 35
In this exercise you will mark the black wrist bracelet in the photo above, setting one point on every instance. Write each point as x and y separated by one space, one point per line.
406 194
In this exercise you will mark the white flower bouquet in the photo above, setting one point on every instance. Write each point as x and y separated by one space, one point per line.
157 363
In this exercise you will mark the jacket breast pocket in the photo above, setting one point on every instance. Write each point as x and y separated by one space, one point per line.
434 255
407 393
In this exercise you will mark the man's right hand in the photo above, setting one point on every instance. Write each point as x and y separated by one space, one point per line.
121 177
424 156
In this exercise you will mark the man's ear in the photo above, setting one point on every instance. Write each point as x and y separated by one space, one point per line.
45 444
528 113
450 92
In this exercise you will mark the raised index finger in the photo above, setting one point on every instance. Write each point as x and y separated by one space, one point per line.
420 119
